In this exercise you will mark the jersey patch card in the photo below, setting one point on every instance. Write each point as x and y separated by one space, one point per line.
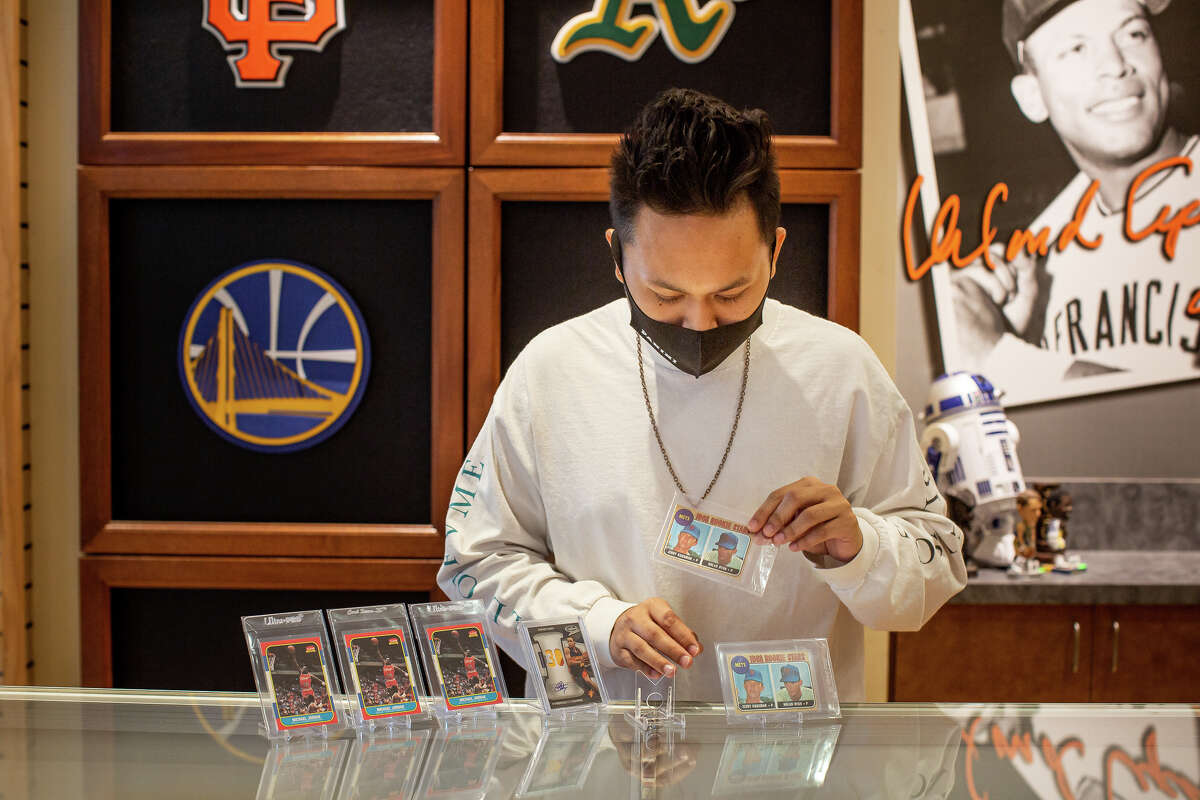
382 671
565 665
766 682
298 682
464 665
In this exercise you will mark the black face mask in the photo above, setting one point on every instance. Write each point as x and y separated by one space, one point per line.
693 352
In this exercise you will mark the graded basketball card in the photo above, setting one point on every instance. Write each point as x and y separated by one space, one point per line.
297 685
566 679
712 542
464 665
298 681
381 671
791 678
385 767
459 658
375 649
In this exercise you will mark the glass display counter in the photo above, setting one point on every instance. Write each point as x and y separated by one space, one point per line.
113 743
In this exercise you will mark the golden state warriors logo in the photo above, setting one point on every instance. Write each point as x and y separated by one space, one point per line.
274 356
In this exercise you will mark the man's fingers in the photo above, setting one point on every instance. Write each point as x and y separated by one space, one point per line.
669 621
760 516
815 537
808 519
626 658
662 641
656 661
785 512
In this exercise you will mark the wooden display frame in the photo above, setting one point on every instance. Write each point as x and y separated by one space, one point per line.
444 145
99 575
100 533
490 187
491 145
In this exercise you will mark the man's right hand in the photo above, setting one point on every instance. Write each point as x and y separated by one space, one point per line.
651 638
984 300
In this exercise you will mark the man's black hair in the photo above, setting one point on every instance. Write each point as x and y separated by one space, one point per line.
689 153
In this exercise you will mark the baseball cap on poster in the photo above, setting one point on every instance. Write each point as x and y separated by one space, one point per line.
789 674
1023 17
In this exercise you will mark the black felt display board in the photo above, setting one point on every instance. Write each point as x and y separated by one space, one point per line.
191 639
776 55
171 74
167 464
555 265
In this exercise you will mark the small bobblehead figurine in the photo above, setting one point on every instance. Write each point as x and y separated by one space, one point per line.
1052 529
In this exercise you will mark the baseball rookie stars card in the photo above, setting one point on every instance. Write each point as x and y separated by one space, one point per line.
707 541
298 682
765 682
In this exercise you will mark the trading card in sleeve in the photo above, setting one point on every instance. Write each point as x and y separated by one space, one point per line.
464 665
565 665
712 542
382 672
298 682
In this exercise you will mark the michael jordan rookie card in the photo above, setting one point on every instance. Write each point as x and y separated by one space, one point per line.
298 682
382 673
463 662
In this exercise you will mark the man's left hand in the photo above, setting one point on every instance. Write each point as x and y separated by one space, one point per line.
811 516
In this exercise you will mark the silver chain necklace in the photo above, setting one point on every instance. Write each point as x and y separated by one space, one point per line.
653 424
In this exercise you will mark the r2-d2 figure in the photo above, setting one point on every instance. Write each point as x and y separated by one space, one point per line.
971 447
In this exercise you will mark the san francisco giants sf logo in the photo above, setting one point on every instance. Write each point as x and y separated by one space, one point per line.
256 32
692 33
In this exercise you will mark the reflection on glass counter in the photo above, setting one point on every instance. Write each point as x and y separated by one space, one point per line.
101 744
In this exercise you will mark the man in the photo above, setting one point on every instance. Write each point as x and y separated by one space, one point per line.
725 552
821 453
753 687
1122 310
685 541
792 688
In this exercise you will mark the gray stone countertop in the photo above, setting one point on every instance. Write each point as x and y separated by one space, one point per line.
1113 577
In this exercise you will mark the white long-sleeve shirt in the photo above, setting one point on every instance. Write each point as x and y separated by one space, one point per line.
559 503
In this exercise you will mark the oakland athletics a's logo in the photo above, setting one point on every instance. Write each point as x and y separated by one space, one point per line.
274 356
692 33
256 32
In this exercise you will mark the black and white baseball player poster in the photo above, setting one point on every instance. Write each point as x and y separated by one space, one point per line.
1054 193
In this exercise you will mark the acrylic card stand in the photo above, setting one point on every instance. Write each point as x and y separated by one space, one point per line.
297 684
566 679
654 703
781 682
456 649
375 651
303 768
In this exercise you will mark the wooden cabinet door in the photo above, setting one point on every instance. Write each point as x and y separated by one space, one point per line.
1146 654
996 653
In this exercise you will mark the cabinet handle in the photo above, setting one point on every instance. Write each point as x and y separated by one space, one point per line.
1075 657
1116 643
